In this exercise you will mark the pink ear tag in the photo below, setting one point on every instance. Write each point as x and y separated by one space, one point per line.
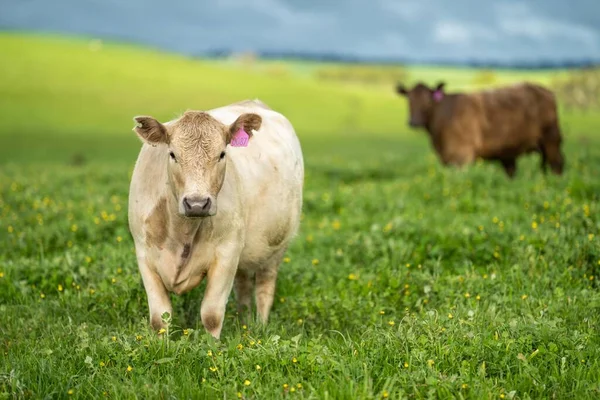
240 139
438 95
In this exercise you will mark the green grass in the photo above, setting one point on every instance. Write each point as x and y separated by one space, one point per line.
407 279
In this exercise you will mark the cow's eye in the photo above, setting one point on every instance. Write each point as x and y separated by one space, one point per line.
172 155
222 156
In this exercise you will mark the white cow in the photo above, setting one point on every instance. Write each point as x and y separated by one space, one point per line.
205 202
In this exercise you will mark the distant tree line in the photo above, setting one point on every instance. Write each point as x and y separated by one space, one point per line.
480 64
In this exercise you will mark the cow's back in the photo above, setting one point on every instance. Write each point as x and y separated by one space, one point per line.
512 119
270 176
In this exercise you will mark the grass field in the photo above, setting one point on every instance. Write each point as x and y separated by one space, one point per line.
407 280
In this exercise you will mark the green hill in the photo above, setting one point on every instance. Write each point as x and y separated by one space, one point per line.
63 97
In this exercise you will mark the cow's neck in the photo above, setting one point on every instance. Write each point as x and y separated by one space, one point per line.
430 123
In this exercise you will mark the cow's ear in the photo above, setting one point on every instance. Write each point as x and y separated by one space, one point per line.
150 130
440 86
246 123
401 89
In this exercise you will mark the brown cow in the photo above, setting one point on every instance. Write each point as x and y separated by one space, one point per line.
499 124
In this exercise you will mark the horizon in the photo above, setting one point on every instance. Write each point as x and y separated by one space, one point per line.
503 33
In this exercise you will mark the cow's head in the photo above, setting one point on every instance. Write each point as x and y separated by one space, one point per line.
421 100
195 147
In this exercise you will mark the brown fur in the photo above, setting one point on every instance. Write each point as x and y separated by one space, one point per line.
278 235
150 130
211 322
498 125
247 122
158 224
186 251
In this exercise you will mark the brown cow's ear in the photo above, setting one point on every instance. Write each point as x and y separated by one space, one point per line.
440 86
247 122
401 90
150 130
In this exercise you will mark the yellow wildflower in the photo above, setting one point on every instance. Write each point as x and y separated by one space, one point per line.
524 297
129 368
315 261
161 331
60 288
450 316
240 346
246 382
287 260
352 277
391 322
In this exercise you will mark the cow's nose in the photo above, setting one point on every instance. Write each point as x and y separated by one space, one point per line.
197 206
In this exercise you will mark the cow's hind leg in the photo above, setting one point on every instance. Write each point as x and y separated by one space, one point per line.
243 293
551 143
266 278
510 166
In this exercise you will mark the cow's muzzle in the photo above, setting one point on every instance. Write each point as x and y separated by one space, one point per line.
196 207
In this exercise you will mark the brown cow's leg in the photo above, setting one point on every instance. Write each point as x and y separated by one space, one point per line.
544 159
552 141
510 166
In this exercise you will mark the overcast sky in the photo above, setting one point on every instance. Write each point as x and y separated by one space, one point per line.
521 30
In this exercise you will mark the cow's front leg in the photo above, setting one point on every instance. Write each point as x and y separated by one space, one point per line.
220 281
158 297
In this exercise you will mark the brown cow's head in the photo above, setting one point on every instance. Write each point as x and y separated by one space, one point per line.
421 100
195 145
